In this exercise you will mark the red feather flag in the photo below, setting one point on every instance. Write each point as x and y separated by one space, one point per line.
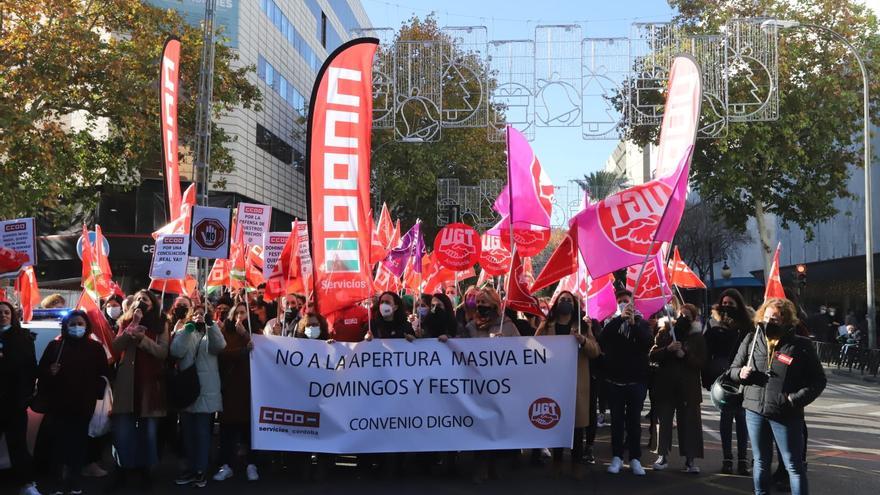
28 292
774 283
101 330
518 296
681 275
562 262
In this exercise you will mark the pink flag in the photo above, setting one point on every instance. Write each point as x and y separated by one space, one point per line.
533 191
620 230
653 291
601 301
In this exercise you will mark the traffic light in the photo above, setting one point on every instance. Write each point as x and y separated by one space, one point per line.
801 271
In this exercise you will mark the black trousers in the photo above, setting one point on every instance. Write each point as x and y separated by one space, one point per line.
13 426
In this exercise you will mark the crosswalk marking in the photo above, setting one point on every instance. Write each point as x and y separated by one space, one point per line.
846 405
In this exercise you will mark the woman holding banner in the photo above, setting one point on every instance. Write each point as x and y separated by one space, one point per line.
198 344
488 322
139 388
235 383
389 319
781 374
439 322
564 318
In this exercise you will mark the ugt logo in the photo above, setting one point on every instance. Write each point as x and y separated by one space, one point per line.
630 218
544 413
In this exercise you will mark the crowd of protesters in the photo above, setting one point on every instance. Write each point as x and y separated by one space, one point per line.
621 362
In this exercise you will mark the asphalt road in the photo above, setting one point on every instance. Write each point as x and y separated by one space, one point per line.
844 459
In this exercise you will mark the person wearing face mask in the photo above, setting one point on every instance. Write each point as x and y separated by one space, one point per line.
285 323
178 311
730 325
488 322
565 318
18 369
467 308
235 383
439 321
679 354
389 319
625 341
72 374
421 308
781 375
112 311
139 388
198 344
221 309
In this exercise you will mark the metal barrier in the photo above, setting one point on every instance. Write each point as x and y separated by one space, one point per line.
866 361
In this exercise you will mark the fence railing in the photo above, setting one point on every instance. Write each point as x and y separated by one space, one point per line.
865 361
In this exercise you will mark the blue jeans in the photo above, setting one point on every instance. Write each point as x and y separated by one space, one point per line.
728 416
134 439
789 436
626 403
196 431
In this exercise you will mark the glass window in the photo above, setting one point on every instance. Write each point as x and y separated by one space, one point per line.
270 76
264 5
261 67
282 87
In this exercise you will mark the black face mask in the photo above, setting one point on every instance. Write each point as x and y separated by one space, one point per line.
564 308
289 315
773 331
682 326
180 312
484 311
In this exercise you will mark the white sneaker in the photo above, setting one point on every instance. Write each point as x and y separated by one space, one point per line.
691 468
224 473
252 474
660 464
546 454
30 489
636 466
616 464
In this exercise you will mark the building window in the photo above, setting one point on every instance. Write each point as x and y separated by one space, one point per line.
274 145
323 29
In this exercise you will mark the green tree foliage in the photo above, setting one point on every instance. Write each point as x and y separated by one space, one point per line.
602 183
97 61
796 166
404 174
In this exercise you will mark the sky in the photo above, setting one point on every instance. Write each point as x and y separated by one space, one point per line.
562 151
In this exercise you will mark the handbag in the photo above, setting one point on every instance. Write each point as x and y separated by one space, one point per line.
724 392
99 425
183 384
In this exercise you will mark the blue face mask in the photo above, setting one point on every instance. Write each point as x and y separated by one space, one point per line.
5 328
76 331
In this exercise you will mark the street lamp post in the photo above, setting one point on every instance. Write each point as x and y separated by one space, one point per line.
869 227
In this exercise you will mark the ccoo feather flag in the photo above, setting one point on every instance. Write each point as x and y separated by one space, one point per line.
774 282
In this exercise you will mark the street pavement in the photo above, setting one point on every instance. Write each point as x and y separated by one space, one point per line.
844 459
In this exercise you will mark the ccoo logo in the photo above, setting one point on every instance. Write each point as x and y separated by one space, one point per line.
544 413
630 219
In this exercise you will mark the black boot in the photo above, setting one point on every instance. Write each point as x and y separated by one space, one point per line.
727 466
146 479
743 468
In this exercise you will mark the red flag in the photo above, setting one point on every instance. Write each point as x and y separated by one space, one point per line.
169 95
219 276
340 120
279 278
101 330
378 249
518 296
188 286
774 283
237 258
484 278
28 292
395 235
94 280
3 295
681 275
385 281
653 291
385 229
181 223
11 261
562 262
254 272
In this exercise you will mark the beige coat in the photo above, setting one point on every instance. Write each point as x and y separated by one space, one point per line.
152 392
589 350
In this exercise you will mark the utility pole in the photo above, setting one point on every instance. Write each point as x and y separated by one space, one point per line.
201 171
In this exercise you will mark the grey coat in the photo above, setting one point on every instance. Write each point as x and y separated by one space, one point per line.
183 348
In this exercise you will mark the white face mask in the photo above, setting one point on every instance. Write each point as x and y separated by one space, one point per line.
386 310
114 311
76 331
313 332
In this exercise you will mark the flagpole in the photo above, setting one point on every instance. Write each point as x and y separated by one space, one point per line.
642 269
162 297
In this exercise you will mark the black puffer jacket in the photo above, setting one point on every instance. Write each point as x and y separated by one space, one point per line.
795 377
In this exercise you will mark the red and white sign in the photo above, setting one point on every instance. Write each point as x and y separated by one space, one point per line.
631 222
457 246
273 244
253 220
210 232
169 87
171 257
19 235
544 413
784 359
494 258
339 175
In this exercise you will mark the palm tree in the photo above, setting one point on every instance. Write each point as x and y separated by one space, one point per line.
602 184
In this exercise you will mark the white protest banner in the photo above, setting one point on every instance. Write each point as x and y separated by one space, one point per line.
171 257
390 395
19 235
305 257
253 220
273 244
210 232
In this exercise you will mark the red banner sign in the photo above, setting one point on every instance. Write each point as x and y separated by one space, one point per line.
494 258
457 246
339 176
169 91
